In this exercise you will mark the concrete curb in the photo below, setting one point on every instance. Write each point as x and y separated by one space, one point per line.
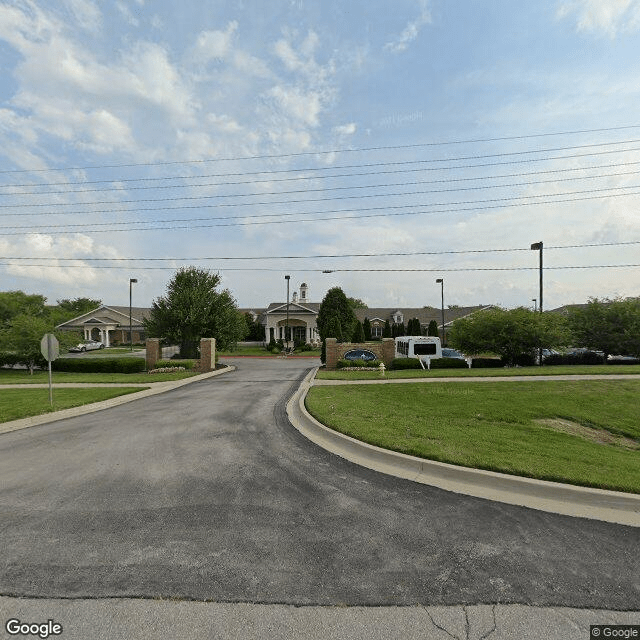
152 390
554 497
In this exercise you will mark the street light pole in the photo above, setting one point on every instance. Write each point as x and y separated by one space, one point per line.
535 303
441 282
538 246
286 329
131 281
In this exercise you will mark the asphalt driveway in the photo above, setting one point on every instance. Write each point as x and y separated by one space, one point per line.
207 493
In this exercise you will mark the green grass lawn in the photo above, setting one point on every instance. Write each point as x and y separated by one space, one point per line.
499 426
21 376
560 370
23 403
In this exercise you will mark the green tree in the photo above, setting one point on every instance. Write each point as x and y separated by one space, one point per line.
358 334
413 327
432 329
23 336
508 333
15 303
66 309
255 331
611 326
366 327
192 309
386 332
356 303
335 305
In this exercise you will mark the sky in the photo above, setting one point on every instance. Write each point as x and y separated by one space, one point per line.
441 139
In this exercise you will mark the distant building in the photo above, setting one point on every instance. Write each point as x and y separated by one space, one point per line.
109 325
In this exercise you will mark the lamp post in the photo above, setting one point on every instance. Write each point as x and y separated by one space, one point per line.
538 246
286 328
131 281
535 303
440 281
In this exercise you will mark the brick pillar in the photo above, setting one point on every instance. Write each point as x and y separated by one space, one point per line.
332 354
388 350
207 355
153 352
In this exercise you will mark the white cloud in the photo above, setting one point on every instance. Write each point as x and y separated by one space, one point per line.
214 45
411 31
345 129
605 16
86 14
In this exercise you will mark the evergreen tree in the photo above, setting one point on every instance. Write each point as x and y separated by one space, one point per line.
366 327
432 330
386 332
335 305
358 334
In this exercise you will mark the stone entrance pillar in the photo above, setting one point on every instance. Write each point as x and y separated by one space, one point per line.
153 352
207 355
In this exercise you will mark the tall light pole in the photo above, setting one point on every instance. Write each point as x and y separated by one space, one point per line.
441 282
538 246
535 303
131 281
286 328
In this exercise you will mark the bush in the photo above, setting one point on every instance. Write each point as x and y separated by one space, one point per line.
486 363
187 364
449 363
8 358
303 346
99 365
357 363
405 363
588 357
522 360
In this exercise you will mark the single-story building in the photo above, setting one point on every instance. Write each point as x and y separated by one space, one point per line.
109 325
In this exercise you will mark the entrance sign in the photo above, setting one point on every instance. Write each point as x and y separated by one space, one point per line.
50 349
360 354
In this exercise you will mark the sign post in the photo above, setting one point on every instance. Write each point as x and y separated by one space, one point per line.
50 349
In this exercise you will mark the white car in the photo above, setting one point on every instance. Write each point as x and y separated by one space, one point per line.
89 345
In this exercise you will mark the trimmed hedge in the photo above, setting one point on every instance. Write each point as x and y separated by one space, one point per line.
486 363
187 364
449 363
588 357
405 363
99 365
8 358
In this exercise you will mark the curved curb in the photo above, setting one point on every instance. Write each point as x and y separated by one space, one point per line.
554 497
72 412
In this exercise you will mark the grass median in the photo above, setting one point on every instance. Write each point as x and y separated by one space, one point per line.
579 432
560 370
24 403
21 376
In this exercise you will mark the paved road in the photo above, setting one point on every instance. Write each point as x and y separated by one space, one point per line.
207 493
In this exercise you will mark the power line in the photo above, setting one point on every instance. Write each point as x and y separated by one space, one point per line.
327 189
323 256
316 270
327 152
331 168
261 221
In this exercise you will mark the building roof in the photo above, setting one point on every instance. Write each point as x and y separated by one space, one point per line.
108 315
424 314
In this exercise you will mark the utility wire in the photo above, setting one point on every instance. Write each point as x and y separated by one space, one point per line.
332 255
88 226
328 189
331 168
332 151
591 266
